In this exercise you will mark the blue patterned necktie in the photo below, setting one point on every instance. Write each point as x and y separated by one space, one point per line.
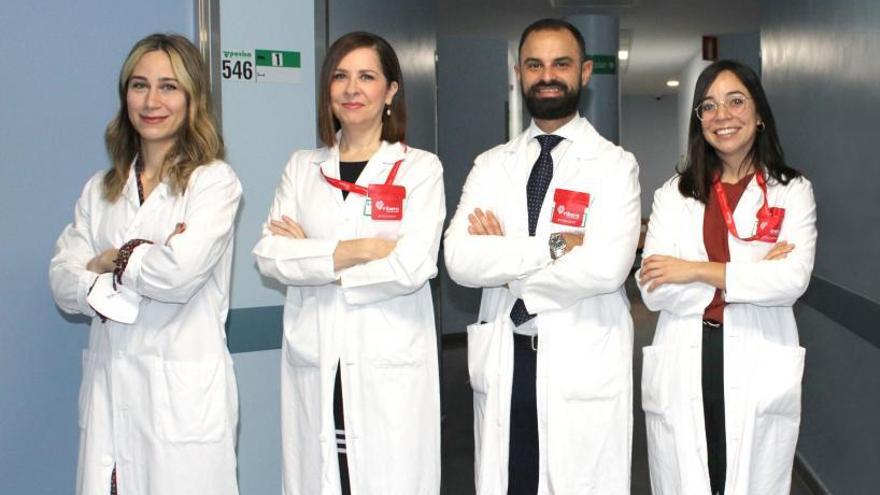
536 188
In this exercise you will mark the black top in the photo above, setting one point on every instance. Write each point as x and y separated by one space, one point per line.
349 172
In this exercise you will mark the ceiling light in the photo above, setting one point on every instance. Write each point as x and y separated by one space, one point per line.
623 55
672 83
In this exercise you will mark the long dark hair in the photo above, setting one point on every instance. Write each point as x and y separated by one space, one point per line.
702 161
394 125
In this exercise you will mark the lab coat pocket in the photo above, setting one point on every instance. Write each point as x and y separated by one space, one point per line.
301 335
660 380
777 382
86 388
483 348
777 378
191 400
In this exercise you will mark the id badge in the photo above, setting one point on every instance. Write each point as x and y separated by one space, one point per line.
386 201
768 227
570 207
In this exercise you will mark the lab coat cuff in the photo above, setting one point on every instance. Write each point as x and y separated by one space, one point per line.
133 269
86 280
736 283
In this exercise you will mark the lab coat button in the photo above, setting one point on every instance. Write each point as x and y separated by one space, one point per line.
107 460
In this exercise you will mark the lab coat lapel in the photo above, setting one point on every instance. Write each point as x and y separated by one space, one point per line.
516 167
327 159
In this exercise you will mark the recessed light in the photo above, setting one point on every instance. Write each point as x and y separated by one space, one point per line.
672 83
623 55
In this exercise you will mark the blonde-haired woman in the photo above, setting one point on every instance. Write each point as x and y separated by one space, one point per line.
148 257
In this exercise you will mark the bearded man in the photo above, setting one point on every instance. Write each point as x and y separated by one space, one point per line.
547 225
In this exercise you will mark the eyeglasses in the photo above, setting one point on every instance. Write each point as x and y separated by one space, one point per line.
708 109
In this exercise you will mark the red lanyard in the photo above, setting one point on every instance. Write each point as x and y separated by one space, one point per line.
764 212
358 189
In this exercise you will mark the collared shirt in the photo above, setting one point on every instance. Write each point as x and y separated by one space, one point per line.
568 132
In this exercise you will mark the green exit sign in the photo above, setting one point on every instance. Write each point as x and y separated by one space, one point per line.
604 64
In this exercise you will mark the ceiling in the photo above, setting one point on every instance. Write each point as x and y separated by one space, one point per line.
664 34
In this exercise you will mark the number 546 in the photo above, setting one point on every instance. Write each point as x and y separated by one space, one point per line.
239 69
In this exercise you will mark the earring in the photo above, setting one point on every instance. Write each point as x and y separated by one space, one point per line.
388 110
761 125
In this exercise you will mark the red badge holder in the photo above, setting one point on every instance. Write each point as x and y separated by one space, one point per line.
769 219
570 207
386 200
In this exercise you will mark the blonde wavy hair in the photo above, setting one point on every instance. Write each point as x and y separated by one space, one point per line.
198 141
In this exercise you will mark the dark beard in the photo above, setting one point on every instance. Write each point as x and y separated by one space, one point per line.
552 108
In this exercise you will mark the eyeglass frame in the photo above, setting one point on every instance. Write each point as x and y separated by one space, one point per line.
722 103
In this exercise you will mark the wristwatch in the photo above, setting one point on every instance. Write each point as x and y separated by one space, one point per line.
557 245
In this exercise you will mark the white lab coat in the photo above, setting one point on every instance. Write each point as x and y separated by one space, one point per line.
378 320
158 398
763 362
584 361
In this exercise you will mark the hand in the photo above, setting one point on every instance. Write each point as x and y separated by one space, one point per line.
356 251
286 227
178 229
380 248
104 262
572 240
779 251
484 223
659 269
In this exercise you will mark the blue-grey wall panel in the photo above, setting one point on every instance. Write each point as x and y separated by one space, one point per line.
57 93
820 69
841 396
472 78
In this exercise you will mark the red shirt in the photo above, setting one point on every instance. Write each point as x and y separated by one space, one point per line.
715 237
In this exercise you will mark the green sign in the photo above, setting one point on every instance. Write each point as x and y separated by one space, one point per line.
277 58
602 64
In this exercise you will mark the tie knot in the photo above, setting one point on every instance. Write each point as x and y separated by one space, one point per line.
548 142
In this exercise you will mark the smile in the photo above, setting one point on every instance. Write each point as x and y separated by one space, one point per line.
726 131
152 120
352 106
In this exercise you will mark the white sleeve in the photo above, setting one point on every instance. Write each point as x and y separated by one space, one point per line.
175 272
488 260
601 264
68 278
293 261
414 259
780 282
667 213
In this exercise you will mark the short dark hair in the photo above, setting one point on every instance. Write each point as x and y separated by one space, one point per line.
702 162
554 25
393 126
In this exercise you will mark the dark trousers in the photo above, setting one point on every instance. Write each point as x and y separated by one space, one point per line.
713 405
339 420
522 468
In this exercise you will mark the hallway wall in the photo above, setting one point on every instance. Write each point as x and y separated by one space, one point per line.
61 61
820 70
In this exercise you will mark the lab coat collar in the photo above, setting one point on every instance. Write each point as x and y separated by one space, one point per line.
585 141
327 159
130 191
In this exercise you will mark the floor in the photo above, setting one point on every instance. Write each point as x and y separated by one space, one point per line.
458 442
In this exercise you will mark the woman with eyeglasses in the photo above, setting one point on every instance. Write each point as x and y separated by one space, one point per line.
354 233
729 249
